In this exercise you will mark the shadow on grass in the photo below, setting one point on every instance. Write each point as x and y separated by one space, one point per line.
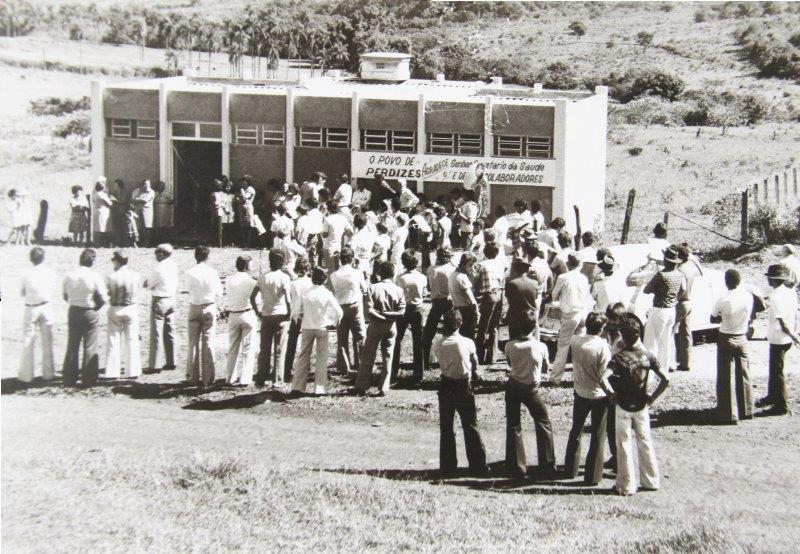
242 401
12 385
685 417
534 483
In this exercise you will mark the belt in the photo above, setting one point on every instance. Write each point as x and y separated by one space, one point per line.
733 335
37 305
240 311
121 305
162 297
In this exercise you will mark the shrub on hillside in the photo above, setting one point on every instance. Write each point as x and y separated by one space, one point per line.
794 40
773 56
652 110
725 109
700 16
560 76
577 28
635 84
769 226
52 105
79 126
644 39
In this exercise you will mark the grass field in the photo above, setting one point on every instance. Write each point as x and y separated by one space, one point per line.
156 466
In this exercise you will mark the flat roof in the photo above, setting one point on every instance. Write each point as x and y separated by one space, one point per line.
442 91
386 55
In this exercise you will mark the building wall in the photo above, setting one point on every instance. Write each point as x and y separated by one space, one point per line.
194 106
312 111
131 160
585 154
522 120
130 104
395 115
258 108
261 162
504 195
331 161
436 188
454 117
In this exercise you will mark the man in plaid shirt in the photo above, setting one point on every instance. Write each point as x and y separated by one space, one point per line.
491 274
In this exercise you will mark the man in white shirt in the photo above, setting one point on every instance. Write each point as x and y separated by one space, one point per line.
320 314
467 214
399 237
314 225
610 288
501 226
781 334
571 291
732 312
122 352
521 218
363 245
241 324
420 231
537 217
349 286
84 291
163 285
791 262
445 227
38 284
408 199
273 287
282 222
344 194
361 197
205 288
415 286
549 236
300 285
335 228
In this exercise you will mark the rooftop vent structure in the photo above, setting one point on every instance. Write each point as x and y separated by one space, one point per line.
390 67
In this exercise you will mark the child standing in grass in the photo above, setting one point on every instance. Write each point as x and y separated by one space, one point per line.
458 359
631 368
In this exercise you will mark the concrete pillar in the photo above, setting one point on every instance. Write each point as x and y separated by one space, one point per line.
289 134
164 140
355 133
560 208
98 129
537 88
488 142
226 129
422 139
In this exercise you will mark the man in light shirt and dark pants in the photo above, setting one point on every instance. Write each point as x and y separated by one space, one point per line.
438 278
781 334
732 312
205 288
85 293
123 320
491 274
241 324
274 289
38 284
414 285
571 291
163 285
349 286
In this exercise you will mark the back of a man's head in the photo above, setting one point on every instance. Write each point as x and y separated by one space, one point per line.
629 331
201 254
451 322
573 260
732 279
243 263
301 266
385 270
595 322
443 255
319 275
346 255
409 259
276 259
87 258
36 255
564 238
526 323
491 250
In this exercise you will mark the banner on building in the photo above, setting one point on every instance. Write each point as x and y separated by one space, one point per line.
451 169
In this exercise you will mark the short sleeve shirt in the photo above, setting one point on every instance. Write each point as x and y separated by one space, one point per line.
631 367
782 305
526 359
454 354
665 286
459 284
274 287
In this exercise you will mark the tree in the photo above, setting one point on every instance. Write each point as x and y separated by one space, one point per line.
577 28
644 39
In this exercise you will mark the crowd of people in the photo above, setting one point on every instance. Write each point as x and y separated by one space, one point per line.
362 262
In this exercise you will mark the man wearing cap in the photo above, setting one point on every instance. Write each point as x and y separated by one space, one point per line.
668 287
732 312
241 324
163 285
608 288
85 293
38 283
123 320
791 262
205 290
781 334
690 268
571 291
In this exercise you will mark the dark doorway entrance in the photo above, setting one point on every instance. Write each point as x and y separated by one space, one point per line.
196 164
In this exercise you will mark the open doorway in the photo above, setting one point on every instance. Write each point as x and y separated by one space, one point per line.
196 164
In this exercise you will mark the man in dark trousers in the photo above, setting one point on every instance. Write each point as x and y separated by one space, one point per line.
458 360
84 291
522 293
438 278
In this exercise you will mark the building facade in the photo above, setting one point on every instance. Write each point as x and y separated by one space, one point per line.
533 143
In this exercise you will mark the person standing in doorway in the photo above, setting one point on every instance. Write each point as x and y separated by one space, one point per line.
205 292
38 284
273 286
85 293
123 320
163 285
241 324
102 203
162 217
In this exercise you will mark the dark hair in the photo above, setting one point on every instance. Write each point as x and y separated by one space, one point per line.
384 270
243 263
491 250
526 323
201 253
346 255
564 238
451 322
120 257
440 211
595 322
409 259
602 252
478 224
732 278
301 266
588 238
36 255
281 209
343 178
683 252
276 259
333 206
467 258
573 260
660 230
469 195
359 221
629 330
319 275
381 228
520 203
615 312
395 203
98 187
500 211
76 188
87 258
443 254
558 223
536 206
312 203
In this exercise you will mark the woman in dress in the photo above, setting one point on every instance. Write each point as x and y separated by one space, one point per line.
101 213
144 202
21 218
78 220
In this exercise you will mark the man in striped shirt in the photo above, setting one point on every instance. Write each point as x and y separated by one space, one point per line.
489 291
668 287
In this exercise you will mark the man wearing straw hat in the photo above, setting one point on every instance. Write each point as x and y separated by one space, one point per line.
163 285
668 287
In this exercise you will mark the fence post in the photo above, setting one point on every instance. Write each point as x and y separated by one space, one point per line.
756 199
794 173
777 188
766 191
786 187
745 214
628 212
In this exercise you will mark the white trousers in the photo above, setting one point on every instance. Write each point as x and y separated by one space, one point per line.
659 335
571 324
242 352
38 320
632 426
122 348
311 338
